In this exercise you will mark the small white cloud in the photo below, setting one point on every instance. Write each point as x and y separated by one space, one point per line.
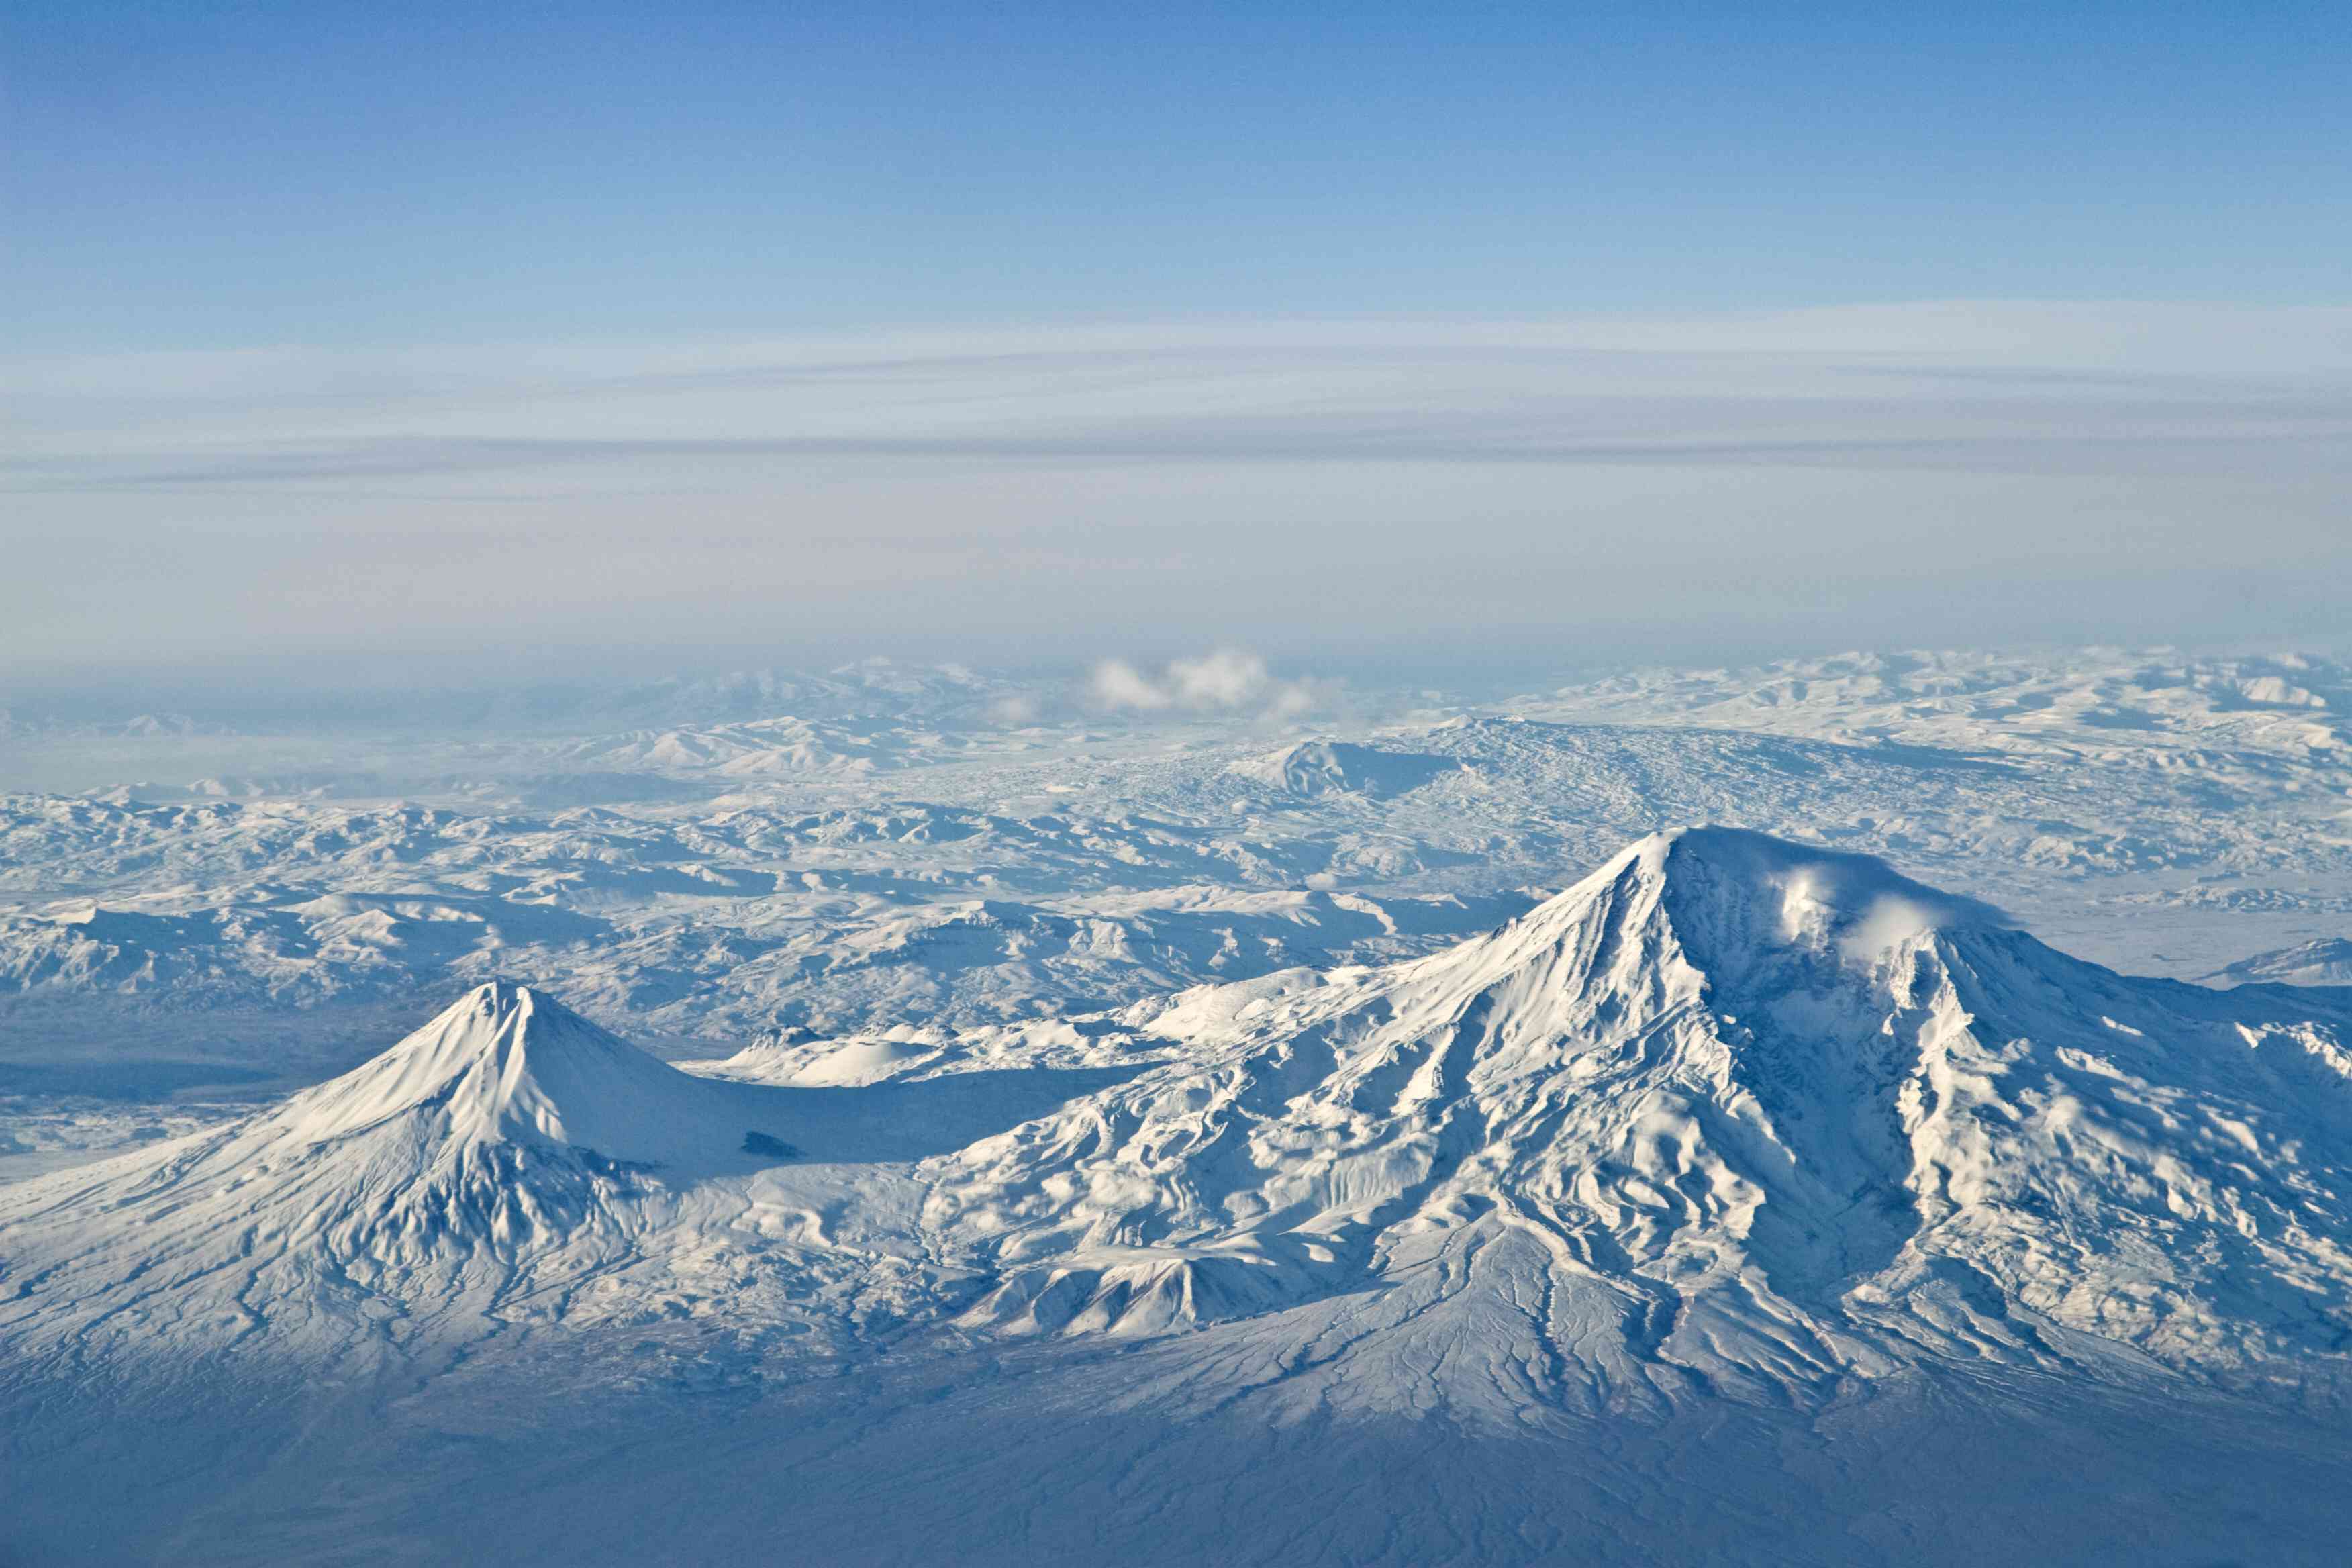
1117 684
1294 698
1227 681
1225 678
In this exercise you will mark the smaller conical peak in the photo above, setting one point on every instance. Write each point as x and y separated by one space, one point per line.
503 1063
501 1019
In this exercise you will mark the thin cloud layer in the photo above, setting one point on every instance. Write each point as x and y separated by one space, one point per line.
1969 471
1988 386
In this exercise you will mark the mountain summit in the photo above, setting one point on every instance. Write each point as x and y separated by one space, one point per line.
508 1065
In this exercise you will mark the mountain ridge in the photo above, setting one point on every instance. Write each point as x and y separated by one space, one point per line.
1730 1114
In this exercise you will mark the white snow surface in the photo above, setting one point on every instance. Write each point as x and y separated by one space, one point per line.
1065 1137
1729 1112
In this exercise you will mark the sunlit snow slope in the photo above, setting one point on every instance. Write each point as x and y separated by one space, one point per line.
1730 1116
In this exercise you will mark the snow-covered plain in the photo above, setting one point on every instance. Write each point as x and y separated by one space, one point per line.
1331 1127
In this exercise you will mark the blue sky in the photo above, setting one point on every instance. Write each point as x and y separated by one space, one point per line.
697 333
214 175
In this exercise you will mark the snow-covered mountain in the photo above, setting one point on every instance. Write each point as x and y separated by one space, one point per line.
1743 1204
505 1146
1730 1113
1708 1200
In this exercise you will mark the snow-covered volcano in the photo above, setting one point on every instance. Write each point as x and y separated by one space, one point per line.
505 1144
1730 1114
507 1066
1730 1111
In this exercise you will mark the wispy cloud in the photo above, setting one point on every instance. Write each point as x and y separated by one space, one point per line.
2027 388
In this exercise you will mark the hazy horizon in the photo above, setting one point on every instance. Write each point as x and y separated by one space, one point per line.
1958 475
1496 340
